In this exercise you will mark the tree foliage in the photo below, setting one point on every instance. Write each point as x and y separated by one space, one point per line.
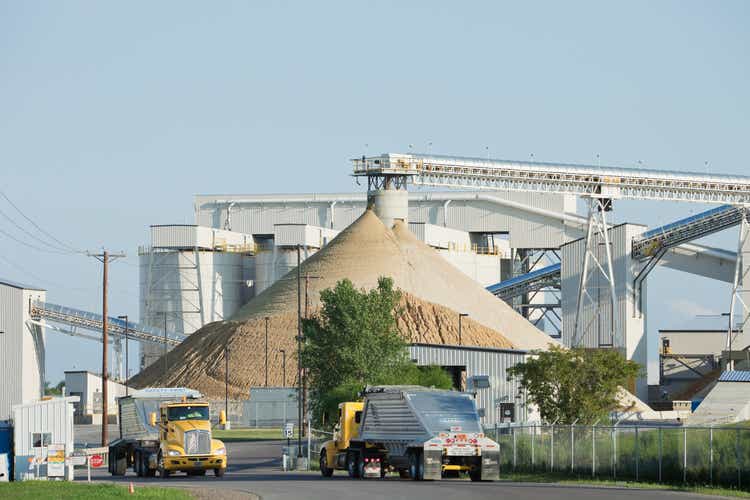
353 341
574 384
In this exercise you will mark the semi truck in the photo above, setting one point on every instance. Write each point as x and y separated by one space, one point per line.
421 433
166 430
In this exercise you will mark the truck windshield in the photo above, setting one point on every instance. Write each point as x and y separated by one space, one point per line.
187 413
443 411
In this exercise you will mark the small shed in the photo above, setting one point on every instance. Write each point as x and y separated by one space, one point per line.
37 425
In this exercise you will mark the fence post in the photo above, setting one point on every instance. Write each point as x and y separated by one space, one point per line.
739 459
593 450
513 433
572 449
637 453
711 455
660 452
614 452
684 455
552 449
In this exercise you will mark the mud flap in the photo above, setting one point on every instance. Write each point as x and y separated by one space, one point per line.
433 464
490 465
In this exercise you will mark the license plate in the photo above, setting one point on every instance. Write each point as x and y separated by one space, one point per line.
463 451
198 464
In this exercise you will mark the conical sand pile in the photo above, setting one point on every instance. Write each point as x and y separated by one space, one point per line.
434 293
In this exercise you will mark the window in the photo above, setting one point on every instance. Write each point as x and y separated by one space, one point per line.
357 417
187 413
41 439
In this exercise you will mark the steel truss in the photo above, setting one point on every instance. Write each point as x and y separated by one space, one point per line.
597 230
582 180
739 307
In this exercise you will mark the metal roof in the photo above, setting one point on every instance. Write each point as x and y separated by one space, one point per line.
21 286
735 376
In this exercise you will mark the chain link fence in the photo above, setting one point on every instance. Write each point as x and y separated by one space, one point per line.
688 455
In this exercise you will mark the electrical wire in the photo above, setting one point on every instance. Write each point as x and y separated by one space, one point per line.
65 245
27 244
32 235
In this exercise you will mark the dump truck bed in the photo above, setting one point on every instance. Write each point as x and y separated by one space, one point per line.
413 414
135 409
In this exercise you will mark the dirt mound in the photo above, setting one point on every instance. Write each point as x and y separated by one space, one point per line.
434 293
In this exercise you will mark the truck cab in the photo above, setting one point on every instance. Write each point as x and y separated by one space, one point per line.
185 441
333 454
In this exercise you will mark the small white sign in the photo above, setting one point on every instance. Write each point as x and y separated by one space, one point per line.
289 430
55 460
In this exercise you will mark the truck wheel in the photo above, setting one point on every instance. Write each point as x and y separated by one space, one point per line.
163 472
475 474
120 465
352 465
415 471
219 472
138 464
325 471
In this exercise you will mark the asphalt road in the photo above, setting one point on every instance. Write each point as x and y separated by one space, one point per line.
256 468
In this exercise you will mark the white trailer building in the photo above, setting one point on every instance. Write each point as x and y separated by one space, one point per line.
21 347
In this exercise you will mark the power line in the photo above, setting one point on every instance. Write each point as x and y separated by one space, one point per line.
25 243
72 249
28 233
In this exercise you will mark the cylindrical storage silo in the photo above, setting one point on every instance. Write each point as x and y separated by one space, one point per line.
389 205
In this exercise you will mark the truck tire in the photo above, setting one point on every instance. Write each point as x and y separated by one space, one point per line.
219 472
163 472
120 465
352 464
416 467
325 471
138 464
475 474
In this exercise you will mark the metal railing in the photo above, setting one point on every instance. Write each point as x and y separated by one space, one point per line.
660 454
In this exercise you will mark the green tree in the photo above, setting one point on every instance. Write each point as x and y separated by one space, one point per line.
53 391
353 342
574 384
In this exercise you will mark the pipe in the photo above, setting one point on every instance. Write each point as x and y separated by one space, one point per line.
333 205
445 212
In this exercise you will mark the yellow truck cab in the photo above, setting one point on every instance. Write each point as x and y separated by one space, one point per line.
333 455
185 440
166 430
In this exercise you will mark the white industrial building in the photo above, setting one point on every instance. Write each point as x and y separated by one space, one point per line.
21 347
87 387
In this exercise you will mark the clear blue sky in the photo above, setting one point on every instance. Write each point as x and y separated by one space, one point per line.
113 115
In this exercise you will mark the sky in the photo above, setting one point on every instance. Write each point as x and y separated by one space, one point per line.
113 115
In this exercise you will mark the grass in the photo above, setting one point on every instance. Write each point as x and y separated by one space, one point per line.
235 435
79 490
545 477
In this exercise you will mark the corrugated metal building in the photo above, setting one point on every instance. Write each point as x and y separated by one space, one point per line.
88 387
597 318
37 425
473 365
21 347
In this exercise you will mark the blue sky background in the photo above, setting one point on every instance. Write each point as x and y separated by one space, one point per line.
113 115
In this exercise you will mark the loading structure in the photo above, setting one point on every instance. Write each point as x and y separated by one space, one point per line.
592 299
77 319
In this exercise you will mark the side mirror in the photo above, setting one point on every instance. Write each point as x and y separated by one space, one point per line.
152 419
222 417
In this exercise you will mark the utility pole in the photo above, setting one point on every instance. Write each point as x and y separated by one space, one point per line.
165 345
283 367
127 370
299 352
226 383
266 351
105 258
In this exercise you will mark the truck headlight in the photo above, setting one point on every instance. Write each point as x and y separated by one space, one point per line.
173 453
220 451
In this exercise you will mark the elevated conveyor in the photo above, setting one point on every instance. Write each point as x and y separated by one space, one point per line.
690 228
77 318
546 277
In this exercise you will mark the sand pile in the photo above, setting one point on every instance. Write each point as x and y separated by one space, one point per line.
434 293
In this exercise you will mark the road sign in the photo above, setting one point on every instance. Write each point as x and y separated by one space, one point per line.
55 460
289 430
96 461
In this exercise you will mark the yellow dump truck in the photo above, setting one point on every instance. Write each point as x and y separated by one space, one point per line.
166 430
418 432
